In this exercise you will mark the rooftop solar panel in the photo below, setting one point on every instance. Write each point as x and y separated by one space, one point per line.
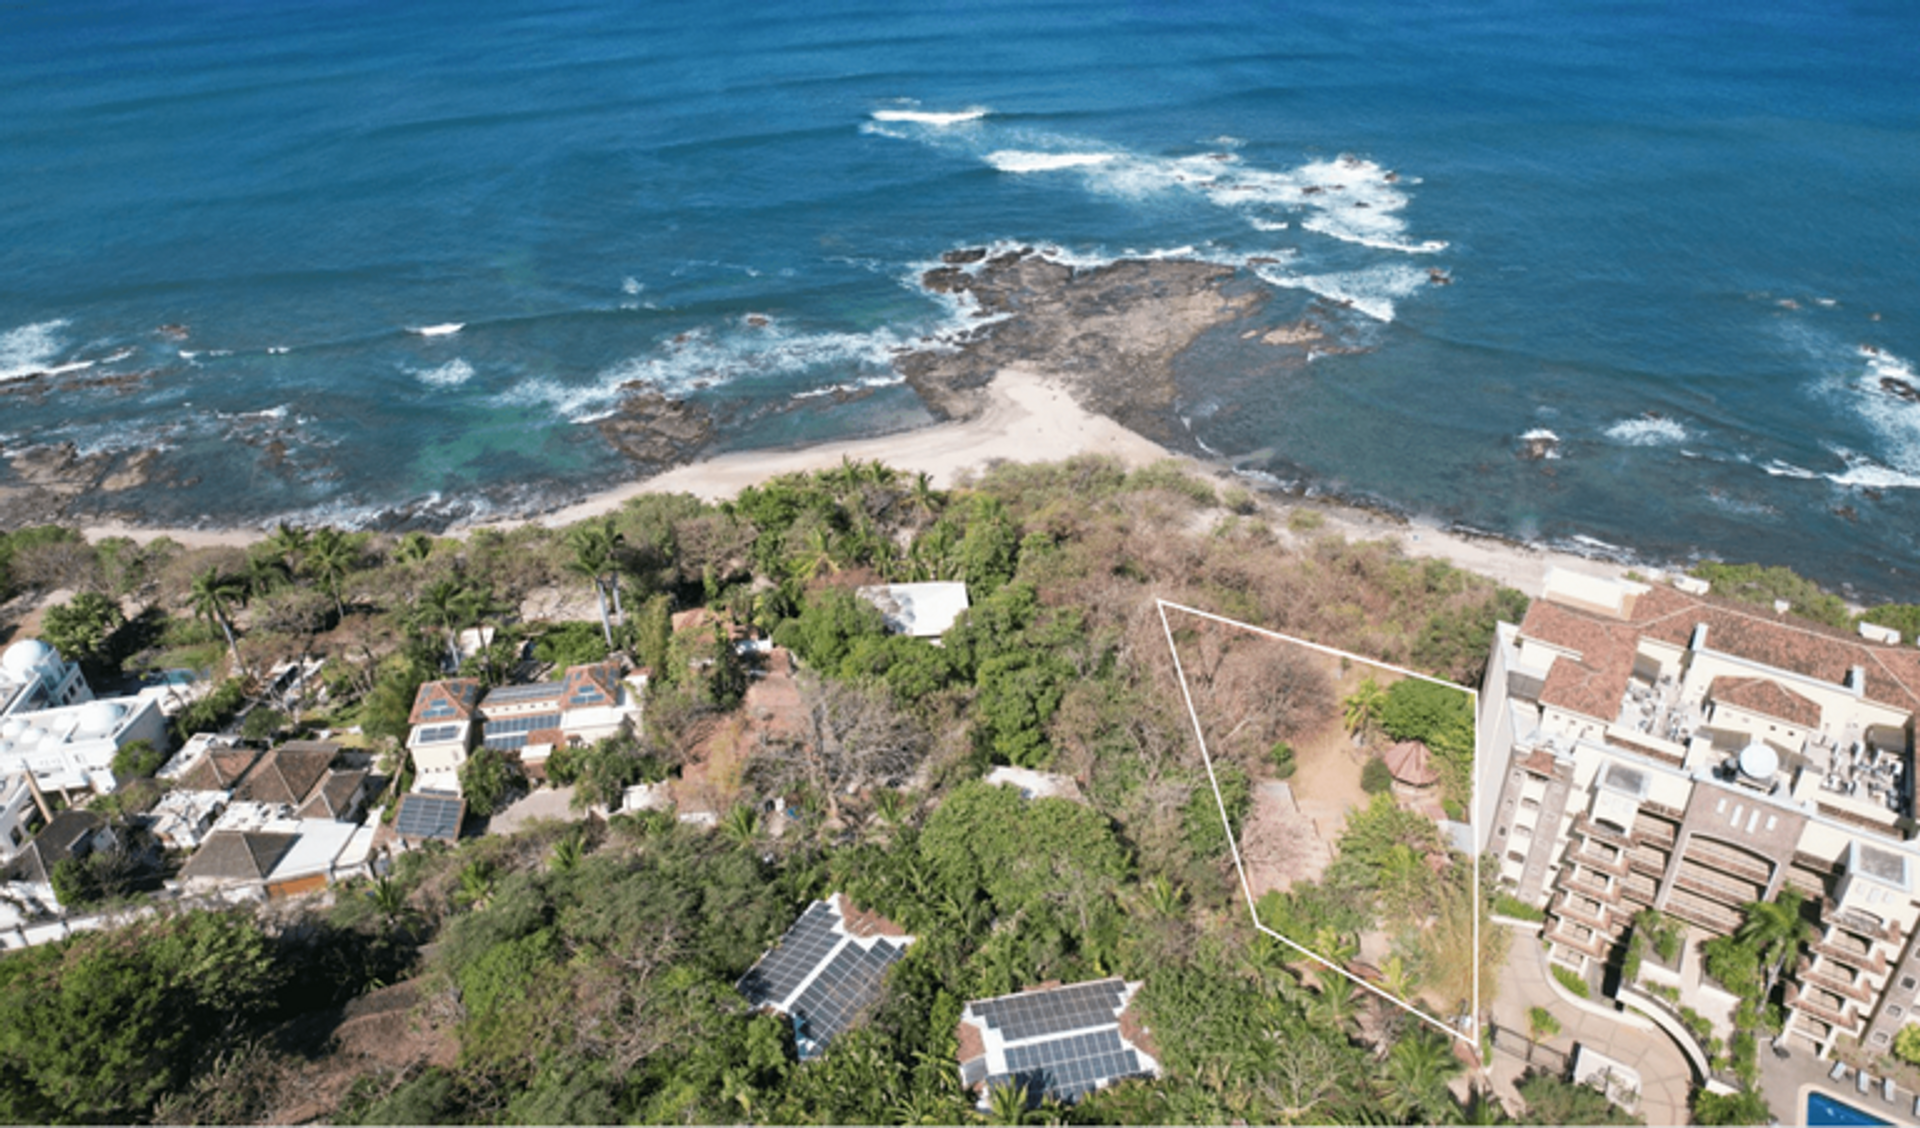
1041 1014
519 694
429 816
1068 1068
781 971
436 734
439 709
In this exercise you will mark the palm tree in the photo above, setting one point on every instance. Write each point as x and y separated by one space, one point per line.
568 851
1775 930
1335 1005
265 573
413 548
1417 1071
451 606
213 593
1363 705
290 543
329 560
1397 978
741 825
925 500
1007 1104
596 557
816 555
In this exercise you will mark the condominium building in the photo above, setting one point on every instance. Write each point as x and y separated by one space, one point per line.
1653 746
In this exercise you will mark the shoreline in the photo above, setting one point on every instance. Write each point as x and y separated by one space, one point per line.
1027 416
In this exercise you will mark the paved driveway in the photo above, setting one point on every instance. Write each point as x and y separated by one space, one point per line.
1665 1077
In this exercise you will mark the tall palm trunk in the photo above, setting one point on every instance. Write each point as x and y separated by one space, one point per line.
606 625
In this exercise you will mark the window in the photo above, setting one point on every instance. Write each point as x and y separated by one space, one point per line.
1896 1011
1908 983
1880 1039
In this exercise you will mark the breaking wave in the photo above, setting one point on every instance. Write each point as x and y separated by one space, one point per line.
929 117
1371 291
452 374
30 349
1647 431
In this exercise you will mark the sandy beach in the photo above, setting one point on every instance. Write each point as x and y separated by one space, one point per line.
1028 418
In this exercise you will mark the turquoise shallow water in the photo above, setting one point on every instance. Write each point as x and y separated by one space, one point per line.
1681 239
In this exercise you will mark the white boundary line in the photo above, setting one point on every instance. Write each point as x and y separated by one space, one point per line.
1246 887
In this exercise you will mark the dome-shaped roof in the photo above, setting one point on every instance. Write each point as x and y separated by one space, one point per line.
28 655
1757 761
98 718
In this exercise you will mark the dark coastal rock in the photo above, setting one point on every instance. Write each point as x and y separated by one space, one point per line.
1110 332
758 320
1302 332
965 256
652 429
1899 389
1439 277
173 332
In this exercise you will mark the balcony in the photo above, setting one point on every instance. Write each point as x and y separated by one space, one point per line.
1702 913
1730 861
1568 907
1585 826
1654 832
1871 961
1731 893
1859 923
1586 885
1565 934
1648 861
1639 890
1834 980
1590 857
1812 1005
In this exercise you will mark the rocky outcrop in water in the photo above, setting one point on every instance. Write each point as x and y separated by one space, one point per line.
655 430
1110 332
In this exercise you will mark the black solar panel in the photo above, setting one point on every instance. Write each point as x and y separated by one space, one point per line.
783 969
437 733
510 694
439 709
1070 1067
588 694
1039 1014
844 990
429 816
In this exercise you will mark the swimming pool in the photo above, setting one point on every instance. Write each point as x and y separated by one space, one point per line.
1822 1109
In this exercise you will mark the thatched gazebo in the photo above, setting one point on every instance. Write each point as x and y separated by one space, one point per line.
1412 765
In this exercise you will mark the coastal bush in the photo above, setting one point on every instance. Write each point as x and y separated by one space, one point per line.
1747 1106
1284 764
1552 1099
1204 834
137 758
1541 1024
1902 617
82 630
571 644
1571 980
1757 583
1507 905
1376 778
1906 1044
1303 520
1170 475
485 779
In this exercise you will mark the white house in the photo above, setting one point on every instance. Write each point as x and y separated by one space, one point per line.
72 747
33 676
923 610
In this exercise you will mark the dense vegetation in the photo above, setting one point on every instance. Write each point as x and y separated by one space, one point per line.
583 971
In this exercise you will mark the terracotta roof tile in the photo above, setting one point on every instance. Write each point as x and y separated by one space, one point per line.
1412 764
1766 697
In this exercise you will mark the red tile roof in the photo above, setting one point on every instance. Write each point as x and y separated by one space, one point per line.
1766 697
461 694
1594 685
1412 764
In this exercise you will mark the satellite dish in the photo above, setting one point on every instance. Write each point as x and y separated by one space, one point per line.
1757 761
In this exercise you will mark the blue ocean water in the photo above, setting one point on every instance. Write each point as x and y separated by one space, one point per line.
1680 237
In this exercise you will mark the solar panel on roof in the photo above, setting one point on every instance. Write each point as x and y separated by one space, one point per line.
511 694
439 709
428 816
1068 1068
437 734
1041 1014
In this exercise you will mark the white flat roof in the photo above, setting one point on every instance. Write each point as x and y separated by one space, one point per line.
920 610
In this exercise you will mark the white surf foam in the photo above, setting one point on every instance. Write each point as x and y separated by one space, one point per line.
1779 469
631 285
1020 160
929 117
700 359
452 374
1646 431
30 349
1371 291
1865 473
443 330
278 350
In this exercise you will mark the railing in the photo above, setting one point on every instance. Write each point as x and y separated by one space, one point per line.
1586 856
1839 1019
1870 960
1569 909
1594 944
1828 979
1700 883
1579 882
1734 863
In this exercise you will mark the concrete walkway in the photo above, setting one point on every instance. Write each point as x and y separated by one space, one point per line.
1665 1077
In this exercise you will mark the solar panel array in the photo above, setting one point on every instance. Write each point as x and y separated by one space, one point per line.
845 988
429 816
437 734
1039 1014
782 970
510 733
587 694
513 694
1070 1067
439 709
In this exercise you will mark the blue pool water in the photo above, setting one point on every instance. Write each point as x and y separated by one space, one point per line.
1681 237
1824 1110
